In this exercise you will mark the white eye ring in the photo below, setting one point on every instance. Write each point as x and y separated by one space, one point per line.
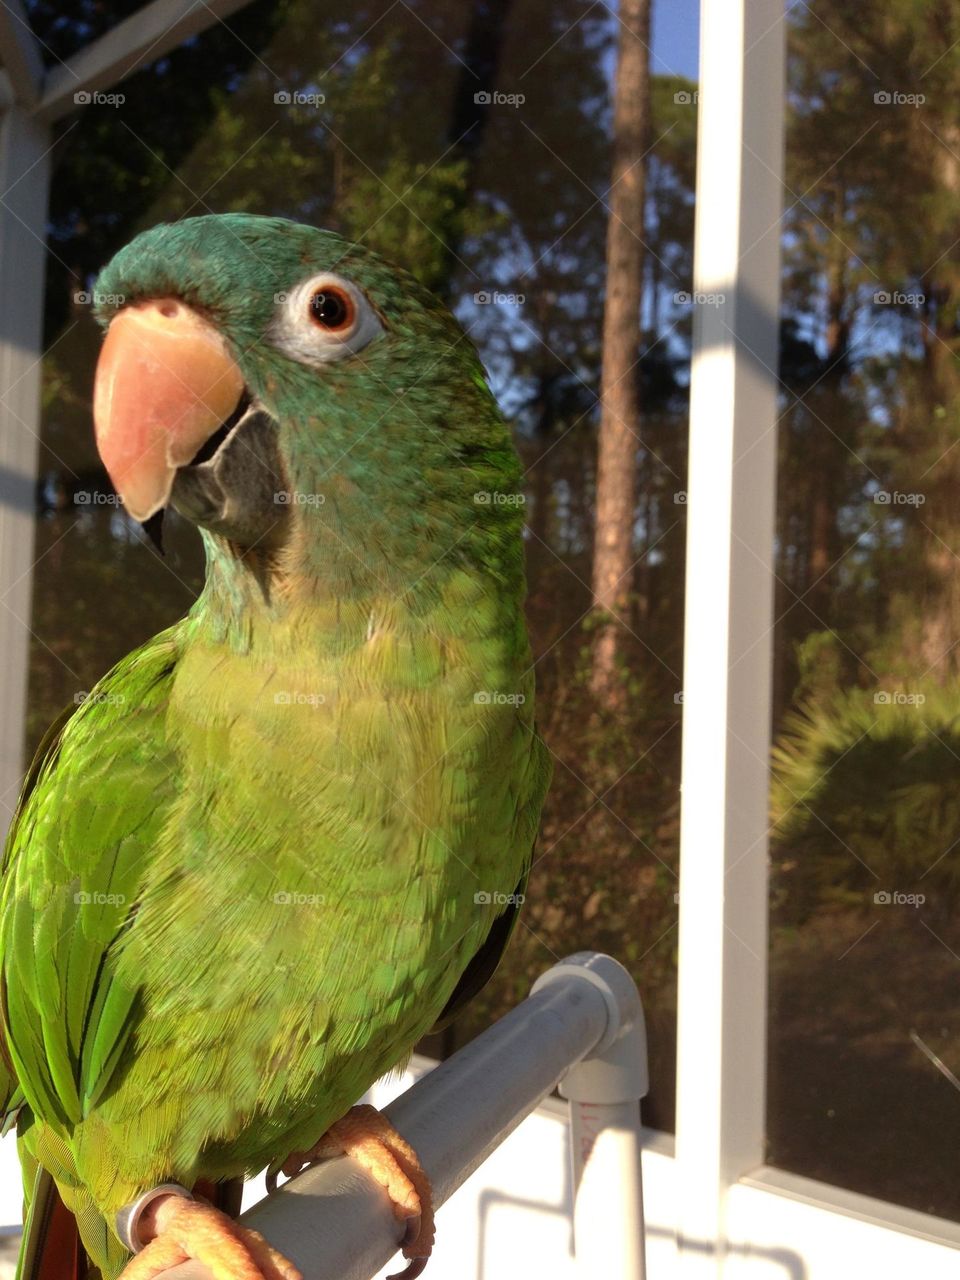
316 332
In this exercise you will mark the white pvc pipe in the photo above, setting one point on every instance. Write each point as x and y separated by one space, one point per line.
334 1221
604 1090
605 1143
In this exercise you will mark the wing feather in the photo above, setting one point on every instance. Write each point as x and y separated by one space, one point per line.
88 814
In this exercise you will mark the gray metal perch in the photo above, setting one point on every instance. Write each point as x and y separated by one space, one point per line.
582 1027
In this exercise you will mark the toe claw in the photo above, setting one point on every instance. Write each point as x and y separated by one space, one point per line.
371 1140
415 1267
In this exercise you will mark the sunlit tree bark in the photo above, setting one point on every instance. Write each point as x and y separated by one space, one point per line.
619 398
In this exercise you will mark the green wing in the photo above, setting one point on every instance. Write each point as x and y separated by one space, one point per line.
95 798
11 1095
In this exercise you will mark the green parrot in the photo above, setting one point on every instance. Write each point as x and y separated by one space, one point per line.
280 841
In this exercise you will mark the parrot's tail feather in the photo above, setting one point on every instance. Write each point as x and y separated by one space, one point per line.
51 1248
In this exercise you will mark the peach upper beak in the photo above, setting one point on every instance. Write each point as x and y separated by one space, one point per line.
165 382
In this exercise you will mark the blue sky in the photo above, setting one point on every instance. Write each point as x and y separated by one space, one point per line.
676 28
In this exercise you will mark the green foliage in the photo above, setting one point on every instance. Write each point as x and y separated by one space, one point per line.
866 798
413 200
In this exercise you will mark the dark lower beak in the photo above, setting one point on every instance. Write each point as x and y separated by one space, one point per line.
233 487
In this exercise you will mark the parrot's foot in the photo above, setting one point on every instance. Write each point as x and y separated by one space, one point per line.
183 1229
370 1139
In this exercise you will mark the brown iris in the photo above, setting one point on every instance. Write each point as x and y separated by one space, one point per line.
332 309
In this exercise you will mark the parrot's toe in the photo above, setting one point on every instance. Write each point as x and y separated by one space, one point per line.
191 1229
370 1139
415 1267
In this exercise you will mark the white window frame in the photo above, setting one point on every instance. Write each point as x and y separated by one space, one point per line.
737 1216
733 1216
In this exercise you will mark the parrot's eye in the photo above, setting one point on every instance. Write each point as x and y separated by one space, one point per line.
325 318
332 309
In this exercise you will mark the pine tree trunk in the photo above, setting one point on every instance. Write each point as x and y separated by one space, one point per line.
619 400
826 460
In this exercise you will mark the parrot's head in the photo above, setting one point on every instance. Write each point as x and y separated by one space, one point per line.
283 388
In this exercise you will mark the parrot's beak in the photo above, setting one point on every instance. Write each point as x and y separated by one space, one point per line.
165 384
175 425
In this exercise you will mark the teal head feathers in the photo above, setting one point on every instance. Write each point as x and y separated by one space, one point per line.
313 409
